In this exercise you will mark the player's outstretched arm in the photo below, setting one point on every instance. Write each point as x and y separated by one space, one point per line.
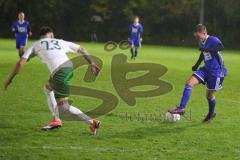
199 61
94 67
15 71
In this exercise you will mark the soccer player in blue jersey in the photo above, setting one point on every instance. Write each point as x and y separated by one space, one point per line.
136 30
21 28
212 73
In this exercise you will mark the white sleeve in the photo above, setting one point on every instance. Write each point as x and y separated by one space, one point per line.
71 47
29 52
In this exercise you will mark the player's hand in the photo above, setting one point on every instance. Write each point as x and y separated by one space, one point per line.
141 39
7 83
30 33
95 69
194 68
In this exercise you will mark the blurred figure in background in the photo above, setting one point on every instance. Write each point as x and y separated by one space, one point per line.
96 22
22 30
136 30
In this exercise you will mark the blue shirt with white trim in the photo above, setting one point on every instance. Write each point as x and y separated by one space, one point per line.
21 29
213 60
135 31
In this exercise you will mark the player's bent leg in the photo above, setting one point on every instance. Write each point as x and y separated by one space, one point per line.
211 103
77 114
52 104
193 81
187 92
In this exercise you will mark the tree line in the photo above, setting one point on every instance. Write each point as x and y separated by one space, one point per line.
168 22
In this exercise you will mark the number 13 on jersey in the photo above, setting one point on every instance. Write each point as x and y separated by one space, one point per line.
51 45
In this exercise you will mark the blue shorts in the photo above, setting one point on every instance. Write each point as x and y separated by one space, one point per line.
21 42
212 82
135 43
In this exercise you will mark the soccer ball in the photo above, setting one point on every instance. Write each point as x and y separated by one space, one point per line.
172 117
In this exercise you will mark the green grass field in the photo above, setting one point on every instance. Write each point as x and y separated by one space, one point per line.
23 111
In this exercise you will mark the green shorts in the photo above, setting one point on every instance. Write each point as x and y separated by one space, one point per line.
60 82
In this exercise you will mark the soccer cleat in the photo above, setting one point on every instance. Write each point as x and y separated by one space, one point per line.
209 118
95 126
177 111
52 125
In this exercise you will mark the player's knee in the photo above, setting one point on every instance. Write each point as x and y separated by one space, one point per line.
63 103
192 81
210 96
189 83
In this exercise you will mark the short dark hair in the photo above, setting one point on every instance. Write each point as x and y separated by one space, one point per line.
200 28
44 30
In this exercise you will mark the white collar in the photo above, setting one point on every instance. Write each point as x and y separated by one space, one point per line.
136 24
21 22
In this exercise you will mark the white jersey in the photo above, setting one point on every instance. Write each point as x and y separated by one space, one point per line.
52 52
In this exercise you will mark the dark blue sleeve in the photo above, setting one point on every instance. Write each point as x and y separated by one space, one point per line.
215 45
215 42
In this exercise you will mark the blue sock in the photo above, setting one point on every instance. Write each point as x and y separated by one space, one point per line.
212 104
186 95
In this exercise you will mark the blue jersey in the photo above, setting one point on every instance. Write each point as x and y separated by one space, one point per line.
213 60
135 31
21 29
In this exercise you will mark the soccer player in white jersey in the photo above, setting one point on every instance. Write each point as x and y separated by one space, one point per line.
53 52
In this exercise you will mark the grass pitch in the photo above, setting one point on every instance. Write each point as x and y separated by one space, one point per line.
127 132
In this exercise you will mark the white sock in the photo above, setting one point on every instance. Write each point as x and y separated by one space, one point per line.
76 113
52 104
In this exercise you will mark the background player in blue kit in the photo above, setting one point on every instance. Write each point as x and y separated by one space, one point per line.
135 36
212 73
21 28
